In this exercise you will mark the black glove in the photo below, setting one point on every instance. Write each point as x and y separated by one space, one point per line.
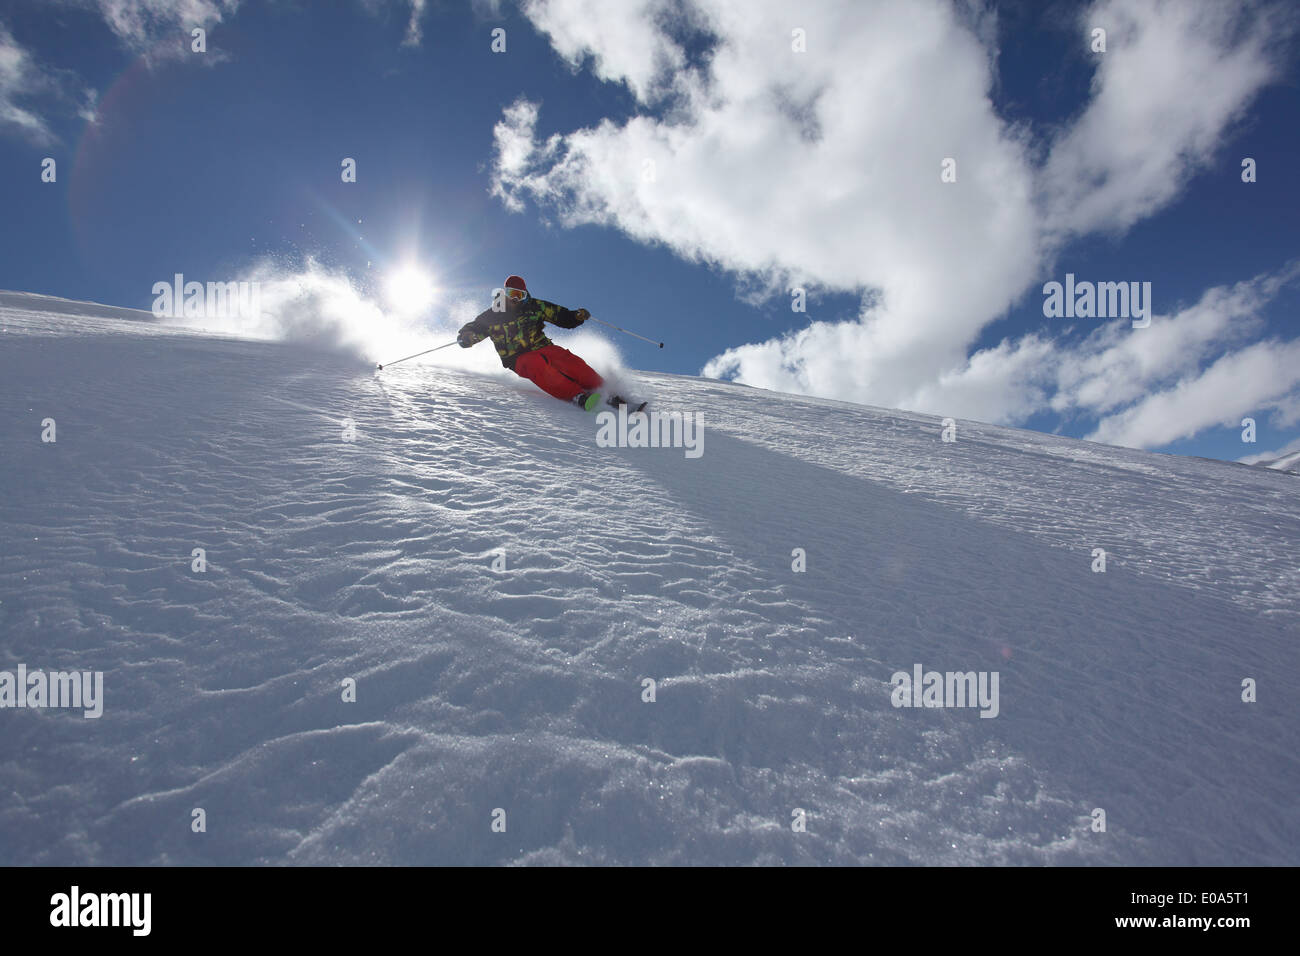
465 337
582 315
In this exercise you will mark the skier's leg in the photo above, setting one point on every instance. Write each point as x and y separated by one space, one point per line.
574 367
537 368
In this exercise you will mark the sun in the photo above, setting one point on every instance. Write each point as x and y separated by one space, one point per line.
409 289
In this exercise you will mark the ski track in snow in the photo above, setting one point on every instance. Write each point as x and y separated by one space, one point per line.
522 689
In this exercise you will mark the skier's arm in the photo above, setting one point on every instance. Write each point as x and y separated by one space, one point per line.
559 315
471 333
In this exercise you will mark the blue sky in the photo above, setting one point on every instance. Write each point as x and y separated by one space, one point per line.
677 166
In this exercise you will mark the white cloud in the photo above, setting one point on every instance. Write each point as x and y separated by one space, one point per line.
1136 382
414 29
30 93
786 167
1174 78
1233 386
516 152
822 169
1117 364
18 76
1145 387
147 25
625 41
416 11
1006 383
1284 411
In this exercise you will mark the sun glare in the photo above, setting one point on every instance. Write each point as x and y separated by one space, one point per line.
409 289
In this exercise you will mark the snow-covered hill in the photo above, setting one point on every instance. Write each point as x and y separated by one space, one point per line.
1290 462
521 690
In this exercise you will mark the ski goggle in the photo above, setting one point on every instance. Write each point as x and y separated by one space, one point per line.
516 294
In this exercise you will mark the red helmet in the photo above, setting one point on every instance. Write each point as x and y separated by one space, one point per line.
515 288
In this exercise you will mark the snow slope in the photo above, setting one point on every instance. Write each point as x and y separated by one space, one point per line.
1289 463
521 689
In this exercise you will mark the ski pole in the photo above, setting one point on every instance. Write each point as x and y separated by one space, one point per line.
416 355
626 332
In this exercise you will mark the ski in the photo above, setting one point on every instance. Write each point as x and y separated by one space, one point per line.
590 401
632 406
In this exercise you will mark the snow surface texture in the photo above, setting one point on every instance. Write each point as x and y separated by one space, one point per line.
522 689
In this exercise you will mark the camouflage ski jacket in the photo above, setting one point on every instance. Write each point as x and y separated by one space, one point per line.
518 328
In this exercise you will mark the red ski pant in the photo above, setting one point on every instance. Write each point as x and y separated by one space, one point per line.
557 371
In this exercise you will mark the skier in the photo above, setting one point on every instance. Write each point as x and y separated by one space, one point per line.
515 325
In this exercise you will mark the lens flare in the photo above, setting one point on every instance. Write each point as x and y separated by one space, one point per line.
409 289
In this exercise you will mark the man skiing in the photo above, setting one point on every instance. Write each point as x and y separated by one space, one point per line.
515 325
